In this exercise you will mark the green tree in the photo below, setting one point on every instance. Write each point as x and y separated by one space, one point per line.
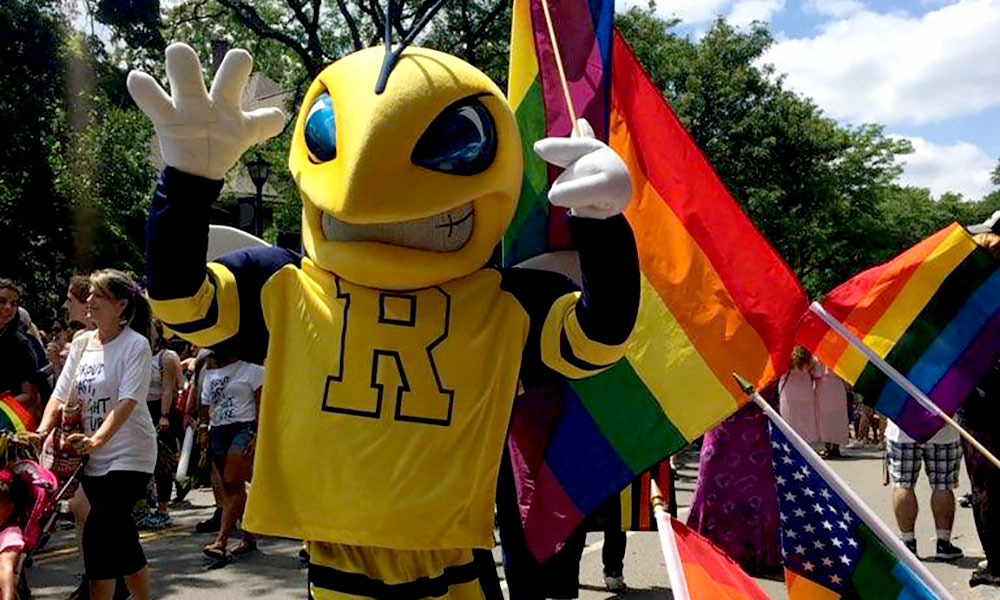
34 224
75 177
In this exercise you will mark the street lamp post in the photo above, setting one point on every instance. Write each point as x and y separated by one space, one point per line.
259 170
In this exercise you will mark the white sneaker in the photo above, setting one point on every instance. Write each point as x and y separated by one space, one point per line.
615 583
983 564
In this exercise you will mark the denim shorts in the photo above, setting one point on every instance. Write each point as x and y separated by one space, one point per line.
232 438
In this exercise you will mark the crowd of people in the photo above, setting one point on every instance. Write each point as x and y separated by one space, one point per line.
81 382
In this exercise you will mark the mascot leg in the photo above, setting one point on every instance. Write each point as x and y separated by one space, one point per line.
338 572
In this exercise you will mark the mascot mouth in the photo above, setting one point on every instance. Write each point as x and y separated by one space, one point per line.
444 232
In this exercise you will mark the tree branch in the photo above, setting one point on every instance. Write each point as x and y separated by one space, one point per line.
308 24
246 14
352 26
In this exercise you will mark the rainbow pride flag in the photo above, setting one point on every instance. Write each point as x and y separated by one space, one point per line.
716 298
13 416
707 572
933 313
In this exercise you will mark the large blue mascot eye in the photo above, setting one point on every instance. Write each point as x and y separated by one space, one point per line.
462 140
321 130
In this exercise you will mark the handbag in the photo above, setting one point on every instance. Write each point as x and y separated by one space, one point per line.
58 454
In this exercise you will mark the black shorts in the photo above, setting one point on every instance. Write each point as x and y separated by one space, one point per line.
110 539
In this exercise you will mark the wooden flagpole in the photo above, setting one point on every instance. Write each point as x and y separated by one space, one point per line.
879 528
899 378
559 66
668 544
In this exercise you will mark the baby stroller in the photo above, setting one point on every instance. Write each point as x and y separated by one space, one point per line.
44 495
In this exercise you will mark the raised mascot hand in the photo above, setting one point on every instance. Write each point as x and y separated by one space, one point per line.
203 133
595 184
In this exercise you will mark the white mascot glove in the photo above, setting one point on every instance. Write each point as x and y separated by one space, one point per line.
203 133
595 184
991 225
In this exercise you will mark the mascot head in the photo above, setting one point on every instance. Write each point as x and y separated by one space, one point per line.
409 169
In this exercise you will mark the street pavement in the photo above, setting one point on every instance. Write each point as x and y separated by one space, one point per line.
180 572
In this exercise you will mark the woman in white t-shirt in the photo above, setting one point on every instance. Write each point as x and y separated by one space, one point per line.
108 371
229 399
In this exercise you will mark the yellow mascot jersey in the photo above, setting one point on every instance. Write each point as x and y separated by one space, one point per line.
384 414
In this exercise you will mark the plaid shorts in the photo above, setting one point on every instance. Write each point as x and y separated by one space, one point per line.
941 460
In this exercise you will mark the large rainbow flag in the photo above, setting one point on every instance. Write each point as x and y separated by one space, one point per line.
933 313
716 298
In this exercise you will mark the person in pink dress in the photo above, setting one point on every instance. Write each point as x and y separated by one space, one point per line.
831 410
796 396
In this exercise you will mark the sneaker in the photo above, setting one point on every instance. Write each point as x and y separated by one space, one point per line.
615 583
212 524
158 520
983 564
140 516
911 545
947 551
983 577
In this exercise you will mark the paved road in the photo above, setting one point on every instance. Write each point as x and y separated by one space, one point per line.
180 573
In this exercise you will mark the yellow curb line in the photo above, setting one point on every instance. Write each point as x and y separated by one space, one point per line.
56 554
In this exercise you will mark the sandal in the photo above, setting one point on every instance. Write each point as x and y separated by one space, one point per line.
244 547
214 552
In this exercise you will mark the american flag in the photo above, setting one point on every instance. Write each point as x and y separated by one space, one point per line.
819 536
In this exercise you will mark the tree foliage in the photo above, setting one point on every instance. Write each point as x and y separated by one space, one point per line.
75 173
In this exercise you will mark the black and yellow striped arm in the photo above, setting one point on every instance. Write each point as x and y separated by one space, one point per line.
567 349
209 317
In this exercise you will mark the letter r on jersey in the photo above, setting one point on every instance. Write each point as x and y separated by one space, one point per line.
387 350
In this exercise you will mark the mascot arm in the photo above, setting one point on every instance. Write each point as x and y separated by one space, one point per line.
214 305
575 333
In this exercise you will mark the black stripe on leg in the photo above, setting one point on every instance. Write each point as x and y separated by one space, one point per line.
329 578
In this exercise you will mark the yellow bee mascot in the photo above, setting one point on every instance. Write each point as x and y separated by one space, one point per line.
393 350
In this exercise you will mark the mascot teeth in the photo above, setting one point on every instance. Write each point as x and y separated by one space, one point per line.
444 232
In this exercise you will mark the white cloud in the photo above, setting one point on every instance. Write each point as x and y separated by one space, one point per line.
748 11
899 68
693 11
959 167
834 8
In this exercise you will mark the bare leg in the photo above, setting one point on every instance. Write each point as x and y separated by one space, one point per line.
234 477
861 426
221 500
138 584
8 582
101 589
79 506
943 508
904 505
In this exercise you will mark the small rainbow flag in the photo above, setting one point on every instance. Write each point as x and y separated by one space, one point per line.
933 313
707 572
13 416
716 298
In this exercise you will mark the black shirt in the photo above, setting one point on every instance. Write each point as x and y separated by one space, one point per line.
17 359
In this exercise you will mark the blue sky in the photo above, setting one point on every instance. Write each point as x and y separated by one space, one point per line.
929 70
